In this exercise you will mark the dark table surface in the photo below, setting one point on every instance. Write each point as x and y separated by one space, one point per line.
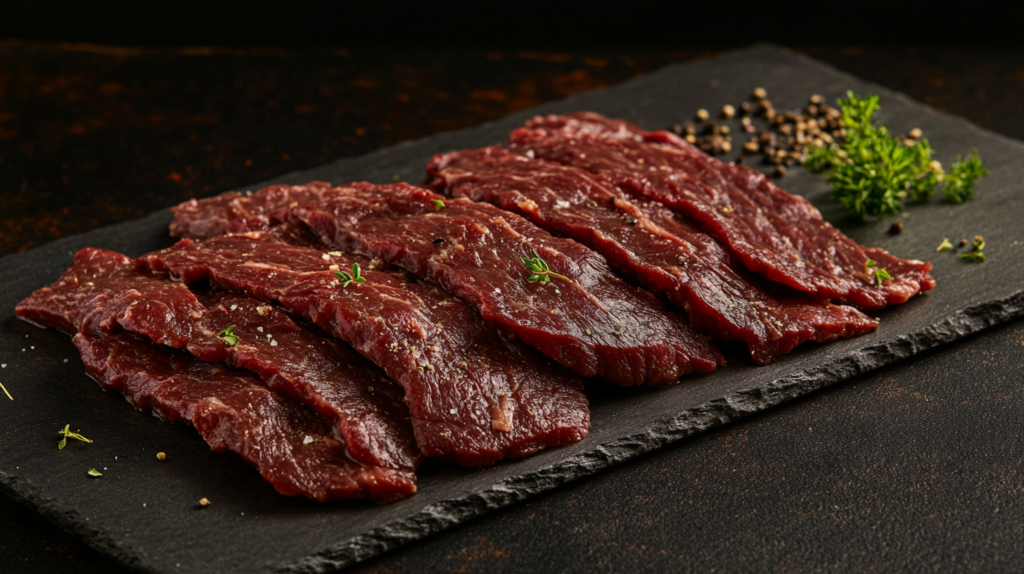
915 467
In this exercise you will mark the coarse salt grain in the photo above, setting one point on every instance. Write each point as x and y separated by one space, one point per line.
307 440
273 343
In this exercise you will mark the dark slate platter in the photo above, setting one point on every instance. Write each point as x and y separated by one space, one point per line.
144 512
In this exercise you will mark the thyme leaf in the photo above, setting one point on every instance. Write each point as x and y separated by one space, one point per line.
228 336
975 253
94 473
539 270
945 245
871 268
346 278
438 204
873 173
69 434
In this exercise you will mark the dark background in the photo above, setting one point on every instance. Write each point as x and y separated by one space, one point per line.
111 111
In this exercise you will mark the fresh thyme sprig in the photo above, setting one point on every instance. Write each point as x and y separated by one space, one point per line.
872 172
438 204
975 253
345 278
228 335
539 269
69 434
871 268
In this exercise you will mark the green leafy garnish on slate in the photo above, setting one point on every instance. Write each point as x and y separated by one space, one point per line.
229 337
345 278
68 434
879 272
872 172
95 473
539 269
438 204
975 253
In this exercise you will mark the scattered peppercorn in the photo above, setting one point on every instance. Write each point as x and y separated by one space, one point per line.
915 133
703 115
896 228
161 456
760 93
728 111
204 502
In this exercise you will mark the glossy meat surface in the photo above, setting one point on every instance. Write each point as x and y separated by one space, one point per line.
664 253
292 448
775 234
234 212
474 397
304 363
593 323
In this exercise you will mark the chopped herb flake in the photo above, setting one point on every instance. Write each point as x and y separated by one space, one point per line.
945 245
95 473
5 391
69 434
345 278
539 270
228 336
438 204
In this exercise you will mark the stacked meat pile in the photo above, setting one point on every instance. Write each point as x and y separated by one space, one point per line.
335 336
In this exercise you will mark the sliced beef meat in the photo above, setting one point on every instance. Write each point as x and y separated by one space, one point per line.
667 255
292 448
235 212
474 397
777 235
303 362
588 320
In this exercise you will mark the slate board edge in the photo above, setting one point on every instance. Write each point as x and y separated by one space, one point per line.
662 432
731 407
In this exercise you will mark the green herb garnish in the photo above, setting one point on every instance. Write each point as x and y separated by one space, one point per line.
5 391
229 337
975 253
94 473
872 172
438 204
945 245
879 272
539 269
958 183
68 434
355 277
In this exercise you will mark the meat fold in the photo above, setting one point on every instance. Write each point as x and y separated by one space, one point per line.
780 236
586 318
293 449
474 397
650 245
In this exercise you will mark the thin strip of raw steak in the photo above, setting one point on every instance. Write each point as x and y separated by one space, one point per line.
234 212
230 407
594 324
775 234
684 265
474 397
303 362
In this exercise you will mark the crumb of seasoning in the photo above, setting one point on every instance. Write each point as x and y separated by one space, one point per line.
161 456
963 243
204 502
896 228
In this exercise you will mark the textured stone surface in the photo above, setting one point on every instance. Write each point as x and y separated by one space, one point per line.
281 534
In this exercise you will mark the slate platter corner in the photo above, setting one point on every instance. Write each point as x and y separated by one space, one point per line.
144 513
